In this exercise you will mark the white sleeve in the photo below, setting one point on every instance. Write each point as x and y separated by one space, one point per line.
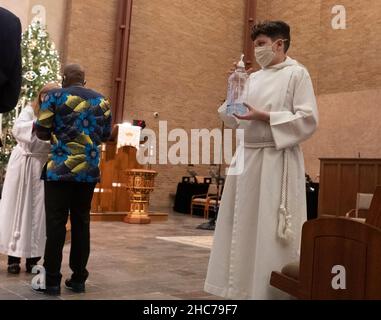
291 128
230 121
23 128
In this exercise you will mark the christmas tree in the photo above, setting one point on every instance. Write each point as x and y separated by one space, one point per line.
40 65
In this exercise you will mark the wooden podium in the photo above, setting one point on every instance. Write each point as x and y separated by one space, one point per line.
111 194
342 179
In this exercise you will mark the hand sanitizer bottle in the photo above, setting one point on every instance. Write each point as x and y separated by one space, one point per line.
236 90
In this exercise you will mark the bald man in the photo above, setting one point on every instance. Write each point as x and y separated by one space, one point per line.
76 120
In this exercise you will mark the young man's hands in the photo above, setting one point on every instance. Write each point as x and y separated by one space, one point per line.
254 114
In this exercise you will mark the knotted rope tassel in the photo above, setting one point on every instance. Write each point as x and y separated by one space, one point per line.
284 223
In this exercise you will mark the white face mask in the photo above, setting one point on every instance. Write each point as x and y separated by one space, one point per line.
264 55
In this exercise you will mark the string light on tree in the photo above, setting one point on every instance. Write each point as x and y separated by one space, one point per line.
41 60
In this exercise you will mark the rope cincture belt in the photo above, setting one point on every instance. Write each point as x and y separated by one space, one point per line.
16 229
284 223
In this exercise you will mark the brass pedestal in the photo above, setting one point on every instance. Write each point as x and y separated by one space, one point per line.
140 184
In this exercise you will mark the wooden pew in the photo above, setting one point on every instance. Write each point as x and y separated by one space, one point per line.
341 179
349 245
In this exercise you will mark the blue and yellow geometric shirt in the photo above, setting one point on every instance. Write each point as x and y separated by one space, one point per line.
76 120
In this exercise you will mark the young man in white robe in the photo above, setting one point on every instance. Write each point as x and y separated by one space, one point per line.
22 208
263 208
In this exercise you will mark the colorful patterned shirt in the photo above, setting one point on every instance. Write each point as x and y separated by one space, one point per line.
76 120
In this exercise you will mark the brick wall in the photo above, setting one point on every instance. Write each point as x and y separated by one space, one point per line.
180 52
90 40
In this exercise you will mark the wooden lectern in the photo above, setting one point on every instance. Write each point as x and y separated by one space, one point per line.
111 195
125 185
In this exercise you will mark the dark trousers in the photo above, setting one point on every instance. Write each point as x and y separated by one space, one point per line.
30 262
60 199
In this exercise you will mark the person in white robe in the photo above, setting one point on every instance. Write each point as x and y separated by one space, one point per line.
263 208
22 209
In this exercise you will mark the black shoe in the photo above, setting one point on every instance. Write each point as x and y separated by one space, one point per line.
77 287
14 268
29 268
31 263
50 291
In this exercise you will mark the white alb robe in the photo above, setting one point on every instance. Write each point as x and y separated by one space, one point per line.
22 209
249 241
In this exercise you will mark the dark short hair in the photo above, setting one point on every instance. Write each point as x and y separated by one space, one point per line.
74 73
274 30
